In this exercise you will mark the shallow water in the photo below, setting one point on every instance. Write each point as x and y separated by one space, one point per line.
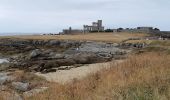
3 60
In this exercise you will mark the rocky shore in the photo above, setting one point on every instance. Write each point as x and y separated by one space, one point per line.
45 56
49 55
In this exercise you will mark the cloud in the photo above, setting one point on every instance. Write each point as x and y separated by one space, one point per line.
54 15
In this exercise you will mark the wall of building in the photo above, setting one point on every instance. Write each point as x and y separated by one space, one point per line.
137 30
96 26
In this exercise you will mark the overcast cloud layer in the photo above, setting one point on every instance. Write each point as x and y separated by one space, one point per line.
31 16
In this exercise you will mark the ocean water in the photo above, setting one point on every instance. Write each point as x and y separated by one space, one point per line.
15 34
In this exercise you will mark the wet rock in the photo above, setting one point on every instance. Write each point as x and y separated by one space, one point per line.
34 91
21 86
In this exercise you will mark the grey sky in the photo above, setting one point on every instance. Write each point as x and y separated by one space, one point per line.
53 15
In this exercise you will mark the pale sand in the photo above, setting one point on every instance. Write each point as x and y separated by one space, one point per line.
66 76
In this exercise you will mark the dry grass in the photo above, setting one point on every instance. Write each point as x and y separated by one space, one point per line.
105 37
141 77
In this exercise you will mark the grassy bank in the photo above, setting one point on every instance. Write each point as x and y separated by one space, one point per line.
140 77
104 37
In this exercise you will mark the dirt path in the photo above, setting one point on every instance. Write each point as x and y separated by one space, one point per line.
66 76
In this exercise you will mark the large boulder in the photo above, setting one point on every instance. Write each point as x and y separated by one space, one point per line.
98 47
85 58
20 86
35 53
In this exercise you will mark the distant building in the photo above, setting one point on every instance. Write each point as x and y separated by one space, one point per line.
137 30
145 29
71 31
95 27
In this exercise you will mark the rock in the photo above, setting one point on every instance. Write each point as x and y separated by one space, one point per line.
35 53
54 42
105 55
51 54
65 62
20 86
4 66
65 67
50 64
98 47
34 67
5 78
85 58
58 56
37 66
49 51
48 70
29 48
34 91
38 42
67 44
68 56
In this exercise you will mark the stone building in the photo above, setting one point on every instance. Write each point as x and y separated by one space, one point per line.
137 30
95 27
71 31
